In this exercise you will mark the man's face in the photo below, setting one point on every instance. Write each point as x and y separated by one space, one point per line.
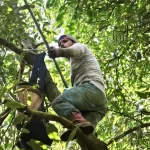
65 43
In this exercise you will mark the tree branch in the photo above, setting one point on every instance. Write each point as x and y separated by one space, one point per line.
29 57
144 125
89 141
25 7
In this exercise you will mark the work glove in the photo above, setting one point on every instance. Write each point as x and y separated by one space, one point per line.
53 52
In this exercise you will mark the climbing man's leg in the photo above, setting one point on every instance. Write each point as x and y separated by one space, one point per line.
71 102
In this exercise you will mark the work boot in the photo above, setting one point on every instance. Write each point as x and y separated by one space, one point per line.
78 120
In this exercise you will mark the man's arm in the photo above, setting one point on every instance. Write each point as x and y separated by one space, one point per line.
76 50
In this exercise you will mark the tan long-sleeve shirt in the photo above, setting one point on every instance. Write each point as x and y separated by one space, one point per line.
84 66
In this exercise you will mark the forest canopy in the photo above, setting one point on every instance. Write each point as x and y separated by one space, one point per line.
117 32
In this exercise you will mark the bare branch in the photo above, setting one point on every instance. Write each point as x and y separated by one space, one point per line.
25 7
28 55
144 125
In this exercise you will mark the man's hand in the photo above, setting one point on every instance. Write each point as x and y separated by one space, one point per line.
53 52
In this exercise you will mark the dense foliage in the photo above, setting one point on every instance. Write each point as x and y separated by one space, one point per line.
117 31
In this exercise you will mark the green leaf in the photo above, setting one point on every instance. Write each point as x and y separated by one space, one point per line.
72 135
1 148
23 130
50 3
7 88
3 91
37 145
9 9
60 23
143 94
115 120
52 131
18 119
131 124
60 16
14 104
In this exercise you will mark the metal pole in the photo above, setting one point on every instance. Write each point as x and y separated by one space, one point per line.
46 43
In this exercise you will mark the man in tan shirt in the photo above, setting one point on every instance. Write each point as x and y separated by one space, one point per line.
85 103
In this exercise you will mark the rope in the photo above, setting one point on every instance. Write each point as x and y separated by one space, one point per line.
46 43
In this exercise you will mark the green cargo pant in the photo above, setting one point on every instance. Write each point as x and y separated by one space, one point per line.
84 98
